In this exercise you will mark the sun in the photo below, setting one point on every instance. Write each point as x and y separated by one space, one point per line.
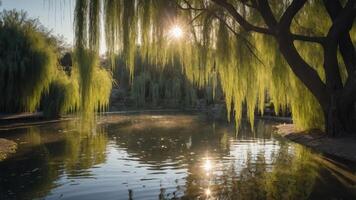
176 32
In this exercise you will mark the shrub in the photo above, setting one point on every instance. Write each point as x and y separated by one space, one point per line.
27 62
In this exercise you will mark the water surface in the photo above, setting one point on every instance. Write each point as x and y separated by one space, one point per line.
162 156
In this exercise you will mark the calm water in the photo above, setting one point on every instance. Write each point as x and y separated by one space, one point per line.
166 157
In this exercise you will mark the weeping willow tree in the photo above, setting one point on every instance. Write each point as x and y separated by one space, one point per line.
31 78
95 82
27 62
255 48
62 96
153 87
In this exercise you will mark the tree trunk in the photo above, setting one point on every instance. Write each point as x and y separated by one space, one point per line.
339 116
336 100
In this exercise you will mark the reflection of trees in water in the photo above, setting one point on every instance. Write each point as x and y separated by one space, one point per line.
291 175
32 174
156 145
83 150
47 155
245 183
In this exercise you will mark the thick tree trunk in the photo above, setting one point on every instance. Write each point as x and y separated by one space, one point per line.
336 99
339 116
306 74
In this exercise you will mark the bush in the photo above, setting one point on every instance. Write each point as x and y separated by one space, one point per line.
27 62
62 96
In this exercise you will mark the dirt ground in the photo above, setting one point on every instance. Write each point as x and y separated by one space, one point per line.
6 147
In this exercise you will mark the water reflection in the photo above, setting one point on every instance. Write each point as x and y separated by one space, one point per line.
163 157
45 155
207 165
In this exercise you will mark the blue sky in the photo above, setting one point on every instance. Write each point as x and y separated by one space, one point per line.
56 15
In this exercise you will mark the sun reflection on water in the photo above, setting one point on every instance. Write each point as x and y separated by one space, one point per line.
207 165
208 192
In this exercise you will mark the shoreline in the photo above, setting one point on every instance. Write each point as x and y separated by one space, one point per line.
24 120
342 148
7 147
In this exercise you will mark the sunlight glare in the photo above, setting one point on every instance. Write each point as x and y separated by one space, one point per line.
207 165
208 192
176 32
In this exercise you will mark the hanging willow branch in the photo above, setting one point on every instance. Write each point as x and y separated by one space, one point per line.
209 50
87 42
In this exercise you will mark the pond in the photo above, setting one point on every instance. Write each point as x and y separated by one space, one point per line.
166 156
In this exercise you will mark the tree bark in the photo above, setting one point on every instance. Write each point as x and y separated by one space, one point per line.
336 99
339 116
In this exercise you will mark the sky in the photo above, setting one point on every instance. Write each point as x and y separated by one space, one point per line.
55 15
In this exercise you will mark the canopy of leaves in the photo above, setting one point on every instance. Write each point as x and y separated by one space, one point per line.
27 62
30 75
62 96
95 83
154 87
248 65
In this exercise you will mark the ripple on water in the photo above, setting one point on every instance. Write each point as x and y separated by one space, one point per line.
146 159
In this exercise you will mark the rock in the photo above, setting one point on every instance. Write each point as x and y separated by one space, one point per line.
6 147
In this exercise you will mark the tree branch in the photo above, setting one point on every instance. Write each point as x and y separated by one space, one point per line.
342 24
240 20
298 65
249 45
305 38
267 14
303 70
290 13
189 6
347 49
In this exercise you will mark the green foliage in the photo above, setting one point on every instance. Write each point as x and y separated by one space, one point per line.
154 86
101 88
64 93
248 66
62 96
29 75
293 177
95 83
27 62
